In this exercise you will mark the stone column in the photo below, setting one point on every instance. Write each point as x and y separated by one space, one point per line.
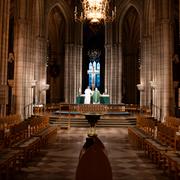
146 71
29 69
4 32
69 73
72 74
66 73
166 59
113 75
108 60
78 66
108 70
162 60
116 75
156 70
20 56
40 69
119 71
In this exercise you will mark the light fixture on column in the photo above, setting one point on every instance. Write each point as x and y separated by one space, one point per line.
96 11
140 87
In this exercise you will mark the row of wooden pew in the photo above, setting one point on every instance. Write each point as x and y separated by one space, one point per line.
22 142
159 141
8 121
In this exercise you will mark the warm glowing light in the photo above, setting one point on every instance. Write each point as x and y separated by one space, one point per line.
95 11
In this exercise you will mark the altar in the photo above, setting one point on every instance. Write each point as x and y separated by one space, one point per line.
104 99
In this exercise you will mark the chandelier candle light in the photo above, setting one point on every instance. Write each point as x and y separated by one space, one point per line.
95 11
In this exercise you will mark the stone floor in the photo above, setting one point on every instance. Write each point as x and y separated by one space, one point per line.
58 161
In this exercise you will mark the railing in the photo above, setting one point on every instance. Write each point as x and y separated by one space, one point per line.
156 112
28 110
86 107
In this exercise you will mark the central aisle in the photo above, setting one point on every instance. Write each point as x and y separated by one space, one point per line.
59 160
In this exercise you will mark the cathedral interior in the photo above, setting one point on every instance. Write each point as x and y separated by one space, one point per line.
50 52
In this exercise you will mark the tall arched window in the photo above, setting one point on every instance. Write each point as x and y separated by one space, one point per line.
94 69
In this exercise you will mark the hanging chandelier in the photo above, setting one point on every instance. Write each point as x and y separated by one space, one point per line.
95 11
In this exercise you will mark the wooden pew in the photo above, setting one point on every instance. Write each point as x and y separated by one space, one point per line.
161 144
145 128
22 142
172 164
172 122
19 139
9 158
39 127
164 142
9 163
172 158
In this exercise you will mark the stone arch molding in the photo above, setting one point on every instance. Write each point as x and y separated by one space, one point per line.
121 14
66 12
148 17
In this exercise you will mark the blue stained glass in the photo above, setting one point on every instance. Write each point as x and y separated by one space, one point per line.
94 74
98 66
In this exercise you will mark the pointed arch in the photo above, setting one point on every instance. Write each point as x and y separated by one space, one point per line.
130 39
124 7
67 14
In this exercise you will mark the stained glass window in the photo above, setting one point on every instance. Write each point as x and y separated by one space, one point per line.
94 69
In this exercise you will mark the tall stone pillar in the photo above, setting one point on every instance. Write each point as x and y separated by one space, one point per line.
166 58
4 32
116 74
162 60
113 75
108 60
146 71
66 74
156 79
113 65
119 73
40 70
20 56
78 69
108 70
70 62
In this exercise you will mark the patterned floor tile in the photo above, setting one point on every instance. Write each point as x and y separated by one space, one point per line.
59 160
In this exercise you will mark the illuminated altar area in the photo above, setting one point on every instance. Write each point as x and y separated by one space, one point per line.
104 99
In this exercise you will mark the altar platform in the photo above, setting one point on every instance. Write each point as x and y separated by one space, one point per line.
104 99
71 115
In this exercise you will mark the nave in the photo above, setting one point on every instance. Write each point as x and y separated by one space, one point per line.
59 159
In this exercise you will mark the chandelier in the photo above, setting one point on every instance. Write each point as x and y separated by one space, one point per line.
94 54
95 11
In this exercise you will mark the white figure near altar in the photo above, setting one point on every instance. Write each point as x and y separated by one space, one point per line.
88 93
